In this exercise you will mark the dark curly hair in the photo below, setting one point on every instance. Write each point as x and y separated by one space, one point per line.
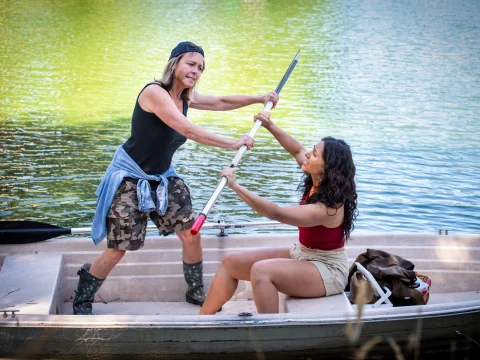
337 186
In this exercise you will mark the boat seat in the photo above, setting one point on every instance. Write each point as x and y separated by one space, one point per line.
328 304
30 283
332 303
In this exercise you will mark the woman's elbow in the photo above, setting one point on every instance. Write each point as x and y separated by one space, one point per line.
190 133
222 105
283 217
275 214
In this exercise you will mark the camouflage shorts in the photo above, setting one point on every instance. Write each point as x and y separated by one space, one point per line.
126 225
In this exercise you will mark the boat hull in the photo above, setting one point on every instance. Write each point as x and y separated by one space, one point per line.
449 324
142 336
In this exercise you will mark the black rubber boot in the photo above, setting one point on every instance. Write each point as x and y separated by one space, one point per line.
88 285
194 277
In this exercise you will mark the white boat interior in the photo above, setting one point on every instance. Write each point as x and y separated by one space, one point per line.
40 278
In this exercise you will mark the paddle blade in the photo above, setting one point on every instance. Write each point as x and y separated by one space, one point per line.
25 232
197 225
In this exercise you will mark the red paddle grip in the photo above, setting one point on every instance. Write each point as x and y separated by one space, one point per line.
197 225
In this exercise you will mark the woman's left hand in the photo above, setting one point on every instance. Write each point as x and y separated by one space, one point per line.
264 117
271 96
244 140
229 173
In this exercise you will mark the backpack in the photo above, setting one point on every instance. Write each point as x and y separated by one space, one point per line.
407 286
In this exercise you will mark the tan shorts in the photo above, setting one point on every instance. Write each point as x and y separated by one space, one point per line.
332 265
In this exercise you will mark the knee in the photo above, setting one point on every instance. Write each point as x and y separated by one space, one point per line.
230 261
188 239
114 255
259 273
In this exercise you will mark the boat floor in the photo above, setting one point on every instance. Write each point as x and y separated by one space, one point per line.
230 308
161 308
452 262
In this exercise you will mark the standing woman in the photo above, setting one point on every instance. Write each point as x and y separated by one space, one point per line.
317 265
141 181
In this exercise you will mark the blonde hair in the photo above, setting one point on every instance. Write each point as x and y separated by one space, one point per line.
168 75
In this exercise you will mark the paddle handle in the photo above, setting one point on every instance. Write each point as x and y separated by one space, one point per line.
252 133
197 225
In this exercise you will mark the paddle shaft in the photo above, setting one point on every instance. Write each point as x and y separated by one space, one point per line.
223 181
25 232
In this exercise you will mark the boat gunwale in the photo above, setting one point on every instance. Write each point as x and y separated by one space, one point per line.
229 321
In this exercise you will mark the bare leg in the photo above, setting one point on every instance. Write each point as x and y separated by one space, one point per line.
235 266
105 262
292 277
192 267
92 277
191 246
221 289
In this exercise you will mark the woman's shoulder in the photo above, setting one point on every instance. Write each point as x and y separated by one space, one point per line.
154 85
337 210
153 89
150 96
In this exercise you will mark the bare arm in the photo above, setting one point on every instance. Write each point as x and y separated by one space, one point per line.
156 99
230 102
301 215
288 142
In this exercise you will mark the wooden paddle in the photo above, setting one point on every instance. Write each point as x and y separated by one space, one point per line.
197 225
26 232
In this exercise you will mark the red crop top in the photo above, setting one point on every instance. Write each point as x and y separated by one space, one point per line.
321 237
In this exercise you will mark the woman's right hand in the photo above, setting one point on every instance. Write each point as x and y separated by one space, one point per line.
230 174
244 140
264 117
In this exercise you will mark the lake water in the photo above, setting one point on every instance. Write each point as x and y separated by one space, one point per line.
398 80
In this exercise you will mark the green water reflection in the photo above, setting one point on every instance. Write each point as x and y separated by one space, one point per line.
399 81
84 62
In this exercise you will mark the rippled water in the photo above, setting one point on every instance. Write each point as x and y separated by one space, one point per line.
398 80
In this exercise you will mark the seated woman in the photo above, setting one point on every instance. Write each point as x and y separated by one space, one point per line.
317 265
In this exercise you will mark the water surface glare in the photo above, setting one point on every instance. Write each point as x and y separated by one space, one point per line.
398 80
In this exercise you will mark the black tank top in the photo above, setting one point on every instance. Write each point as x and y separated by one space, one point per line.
152 143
